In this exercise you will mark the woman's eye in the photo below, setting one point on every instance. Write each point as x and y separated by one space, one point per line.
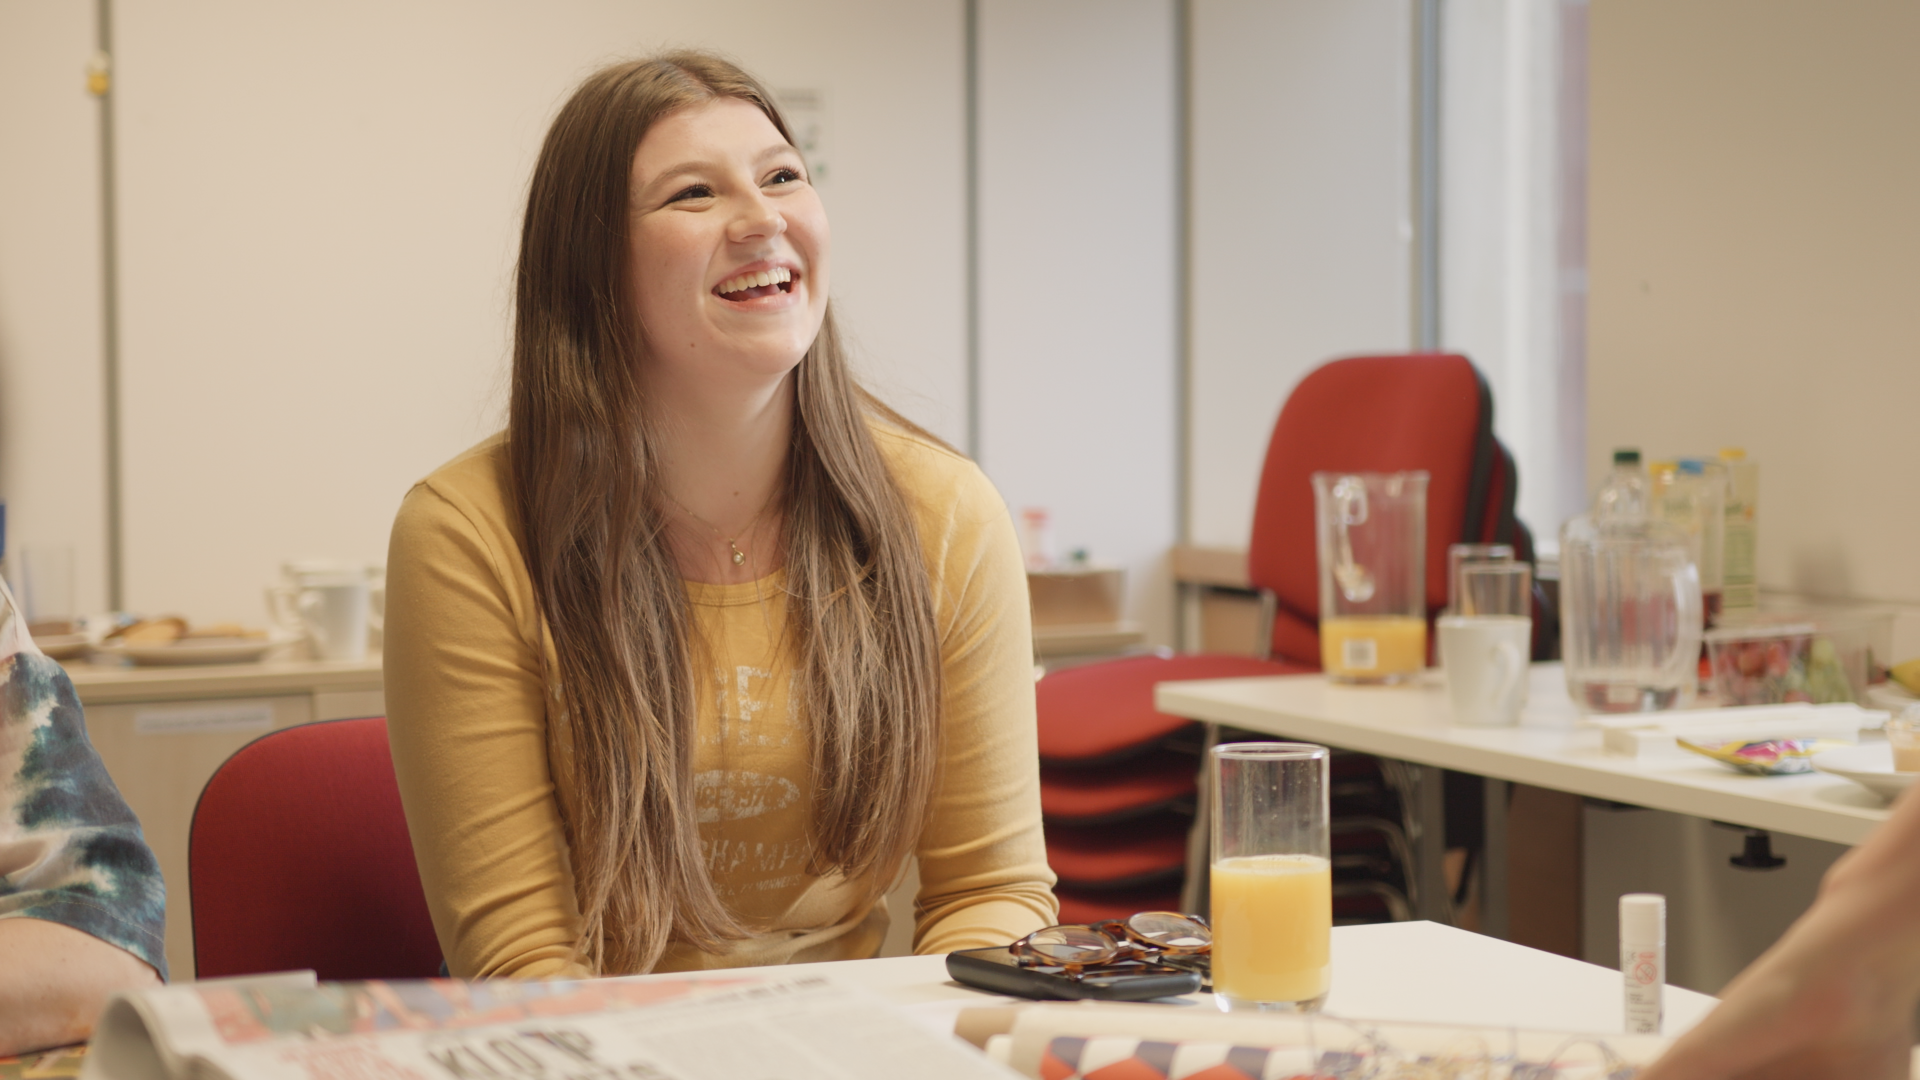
784 176
697 191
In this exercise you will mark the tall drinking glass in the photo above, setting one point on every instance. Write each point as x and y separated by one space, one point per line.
1462 555
1272 882
1485 643
1494 590
46 593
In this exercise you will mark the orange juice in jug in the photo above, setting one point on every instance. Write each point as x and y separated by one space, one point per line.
1373 648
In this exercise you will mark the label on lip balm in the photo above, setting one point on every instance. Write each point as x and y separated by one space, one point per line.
1641 970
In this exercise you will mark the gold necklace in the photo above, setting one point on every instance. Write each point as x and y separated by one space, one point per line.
732 542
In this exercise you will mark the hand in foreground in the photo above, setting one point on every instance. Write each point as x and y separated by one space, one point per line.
1835 996
1814 1006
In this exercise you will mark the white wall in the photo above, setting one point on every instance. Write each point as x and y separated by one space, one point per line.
319 209
1077 171
1754 281
1300 184
319 216
1500 240
52 462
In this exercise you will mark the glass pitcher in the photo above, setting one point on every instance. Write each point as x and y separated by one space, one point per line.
1630 614
1372 541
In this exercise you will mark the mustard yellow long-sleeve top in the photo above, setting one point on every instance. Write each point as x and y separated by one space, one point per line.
482 771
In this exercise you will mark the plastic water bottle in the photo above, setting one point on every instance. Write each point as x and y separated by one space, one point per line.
1740 568
1624 496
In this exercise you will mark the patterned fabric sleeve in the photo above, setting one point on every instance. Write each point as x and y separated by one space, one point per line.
70 850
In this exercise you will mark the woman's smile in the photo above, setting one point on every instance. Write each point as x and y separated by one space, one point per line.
760 286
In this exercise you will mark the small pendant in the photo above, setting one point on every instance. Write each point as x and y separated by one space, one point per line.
738 555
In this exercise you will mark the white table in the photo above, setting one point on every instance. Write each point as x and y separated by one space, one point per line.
1416 972
1551 748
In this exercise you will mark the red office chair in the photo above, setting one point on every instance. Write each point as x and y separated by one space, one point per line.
299 858
1361 414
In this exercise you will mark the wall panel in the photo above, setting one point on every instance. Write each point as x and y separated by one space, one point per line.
1754 164
52 457
1301 189
1078 267
321 205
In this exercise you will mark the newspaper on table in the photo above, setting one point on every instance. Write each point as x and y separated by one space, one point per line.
1072 1042
292 1028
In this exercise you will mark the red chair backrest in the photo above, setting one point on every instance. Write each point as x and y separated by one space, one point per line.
1428 411
299 858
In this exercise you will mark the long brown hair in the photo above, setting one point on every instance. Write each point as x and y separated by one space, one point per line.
586 485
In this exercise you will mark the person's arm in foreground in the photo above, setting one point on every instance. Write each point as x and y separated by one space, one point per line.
1835 996
82 903
54 980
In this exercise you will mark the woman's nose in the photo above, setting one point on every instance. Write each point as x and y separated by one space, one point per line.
759 219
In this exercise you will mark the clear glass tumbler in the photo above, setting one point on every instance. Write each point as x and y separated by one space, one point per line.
46 588
1459 555
1487 590
1272 881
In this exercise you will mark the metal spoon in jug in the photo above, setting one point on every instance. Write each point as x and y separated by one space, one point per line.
1350 499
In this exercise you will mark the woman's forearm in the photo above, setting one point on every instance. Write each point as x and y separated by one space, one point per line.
54 981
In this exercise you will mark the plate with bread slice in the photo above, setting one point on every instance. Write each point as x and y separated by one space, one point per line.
60 639
170 640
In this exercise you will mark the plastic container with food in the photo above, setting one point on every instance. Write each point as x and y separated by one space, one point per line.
1770 663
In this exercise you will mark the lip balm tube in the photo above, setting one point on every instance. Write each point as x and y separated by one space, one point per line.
1643 959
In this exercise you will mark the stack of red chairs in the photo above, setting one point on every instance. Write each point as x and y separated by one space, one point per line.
1118 795
1118 777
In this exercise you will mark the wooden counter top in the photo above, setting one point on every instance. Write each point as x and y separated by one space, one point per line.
100 684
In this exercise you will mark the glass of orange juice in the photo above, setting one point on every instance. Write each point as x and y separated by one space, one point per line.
1372 544
1272 882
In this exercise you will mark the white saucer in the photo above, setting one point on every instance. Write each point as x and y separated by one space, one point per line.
63 646
1870 766
1890 696
191 651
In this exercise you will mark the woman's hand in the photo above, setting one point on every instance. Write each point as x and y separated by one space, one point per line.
1835 996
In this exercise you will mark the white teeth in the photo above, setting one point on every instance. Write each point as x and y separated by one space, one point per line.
739 283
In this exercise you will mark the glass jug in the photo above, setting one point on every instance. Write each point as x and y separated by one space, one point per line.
1372 542
1630 615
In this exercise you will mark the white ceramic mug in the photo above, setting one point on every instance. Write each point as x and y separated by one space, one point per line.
1486 661
329 604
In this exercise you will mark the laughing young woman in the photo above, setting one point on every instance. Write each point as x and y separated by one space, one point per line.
687 663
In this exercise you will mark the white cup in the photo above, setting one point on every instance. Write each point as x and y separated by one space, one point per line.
329 604
1485 657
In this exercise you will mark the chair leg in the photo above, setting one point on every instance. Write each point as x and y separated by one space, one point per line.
1494 917
1195 894
1422 790
1435 900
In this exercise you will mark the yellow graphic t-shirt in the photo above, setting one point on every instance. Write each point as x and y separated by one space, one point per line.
484 775
750 767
